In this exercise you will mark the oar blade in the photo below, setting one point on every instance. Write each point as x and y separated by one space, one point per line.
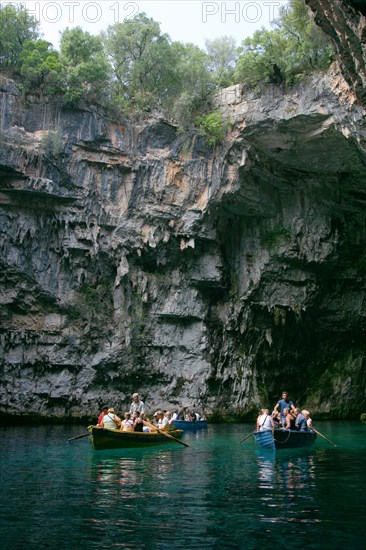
166 434
247 437
323 436
78 437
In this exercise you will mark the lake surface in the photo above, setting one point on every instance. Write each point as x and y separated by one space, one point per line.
216 494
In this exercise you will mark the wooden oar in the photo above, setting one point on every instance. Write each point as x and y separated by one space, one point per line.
323 436
165 433
78 437
247 437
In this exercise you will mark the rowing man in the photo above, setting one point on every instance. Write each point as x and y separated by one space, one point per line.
264 421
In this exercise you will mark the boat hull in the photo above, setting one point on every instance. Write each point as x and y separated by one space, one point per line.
190 424
102 439
284 439
291 439
265 439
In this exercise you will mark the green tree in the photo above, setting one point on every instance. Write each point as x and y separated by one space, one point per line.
222 56
309 45
294 48
17 27
41 67
261 59
142 61
193 83
85 66
192 69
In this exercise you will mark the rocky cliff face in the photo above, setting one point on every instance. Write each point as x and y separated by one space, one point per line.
345 22
135 259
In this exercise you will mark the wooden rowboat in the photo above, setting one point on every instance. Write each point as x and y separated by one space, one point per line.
101 438
190 424
265 439
284 439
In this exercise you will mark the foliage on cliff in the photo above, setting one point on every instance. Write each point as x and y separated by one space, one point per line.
294 48
133 67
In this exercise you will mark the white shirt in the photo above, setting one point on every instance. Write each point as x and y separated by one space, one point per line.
265 422
137 407
163 423
108 421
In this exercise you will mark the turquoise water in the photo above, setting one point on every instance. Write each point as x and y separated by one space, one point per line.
216 494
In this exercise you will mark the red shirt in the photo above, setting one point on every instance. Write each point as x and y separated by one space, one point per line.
100 417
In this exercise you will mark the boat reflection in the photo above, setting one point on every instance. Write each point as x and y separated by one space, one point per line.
293 476
122 477
191 436
266 460
292 471
142 482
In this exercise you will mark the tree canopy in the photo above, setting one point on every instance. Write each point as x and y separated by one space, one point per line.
294 48
41 66
85 67
222 54
17 28
134 67
142 60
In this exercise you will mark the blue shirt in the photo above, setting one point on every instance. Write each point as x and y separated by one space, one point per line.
301 423
284 405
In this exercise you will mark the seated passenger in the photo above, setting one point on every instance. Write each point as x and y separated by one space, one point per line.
126 416
276 419
289 420
188 415
128 425
168 415
179 412
264 421
110 421
301 423
154 420
145 427
258 417
163 421
138 423
309 421
105 409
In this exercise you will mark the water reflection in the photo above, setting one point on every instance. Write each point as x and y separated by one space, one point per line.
299 472
135 491
287 487
216 494
192 436
124 476
292 472
266 468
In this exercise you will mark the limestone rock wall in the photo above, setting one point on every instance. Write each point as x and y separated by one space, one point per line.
137 259
345 22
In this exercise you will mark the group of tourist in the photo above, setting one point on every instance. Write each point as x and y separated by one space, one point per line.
284 416
187 414
135 419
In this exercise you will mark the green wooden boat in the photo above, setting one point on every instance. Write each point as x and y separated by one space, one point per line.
101 438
